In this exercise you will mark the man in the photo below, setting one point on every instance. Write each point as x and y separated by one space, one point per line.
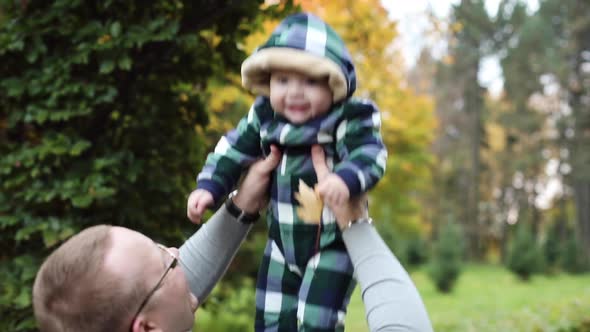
109 278
114 279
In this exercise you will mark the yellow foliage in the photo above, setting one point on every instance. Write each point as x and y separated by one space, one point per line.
104 39
211 37
456 27
448 60
496 136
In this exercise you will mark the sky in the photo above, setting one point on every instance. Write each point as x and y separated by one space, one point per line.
413 22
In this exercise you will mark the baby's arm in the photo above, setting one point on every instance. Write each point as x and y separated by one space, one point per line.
234 152
360 147
198 201
208 253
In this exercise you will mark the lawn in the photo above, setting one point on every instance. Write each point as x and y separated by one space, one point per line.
490 298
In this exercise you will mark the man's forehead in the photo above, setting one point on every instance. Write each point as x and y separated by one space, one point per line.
130 250
125 237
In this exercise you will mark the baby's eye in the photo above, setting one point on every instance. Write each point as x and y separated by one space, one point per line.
312 81
281 79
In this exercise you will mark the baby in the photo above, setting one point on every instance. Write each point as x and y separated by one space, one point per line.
305 78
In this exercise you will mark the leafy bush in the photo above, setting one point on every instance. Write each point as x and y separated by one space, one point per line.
229 308
99 101
445 265
524 255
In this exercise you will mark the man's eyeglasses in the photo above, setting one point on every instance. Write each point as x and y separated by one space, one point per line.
173 263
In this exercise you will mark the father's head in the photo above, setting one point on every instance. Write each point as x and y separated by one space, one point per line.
108 278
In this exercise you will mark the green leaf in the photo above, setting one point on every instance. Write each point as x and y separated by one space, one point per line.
32 56
125 63
16 45
66 233
42 115
107 66
79 147
82 201
116 29
23 299
14 87
6 221
49 238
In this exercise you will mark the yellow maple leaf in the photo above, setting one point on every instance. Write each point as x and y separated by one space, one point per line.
311 205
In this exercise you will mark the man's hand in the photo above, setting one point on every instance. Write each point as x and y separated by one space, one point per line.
253 192
198 201
351 209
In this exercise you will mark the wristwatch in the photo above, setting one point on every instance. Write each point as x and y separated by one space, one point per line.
358 221
239 214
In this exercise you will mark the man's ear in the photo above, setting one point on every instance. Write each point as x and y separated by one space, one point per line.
143 324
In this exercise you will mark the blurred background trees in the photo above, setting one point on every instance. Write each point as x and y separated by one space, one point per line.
513 156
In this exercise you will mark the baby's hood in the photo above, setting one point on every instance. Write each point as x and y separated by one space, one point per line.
304 43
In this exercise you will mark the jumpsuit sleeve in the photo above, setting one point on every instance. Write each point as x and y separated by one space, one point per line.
360 147
206 255
234 152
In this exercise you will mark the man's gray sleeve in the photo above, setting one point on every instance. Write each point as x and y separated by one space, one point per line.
206 255
392 302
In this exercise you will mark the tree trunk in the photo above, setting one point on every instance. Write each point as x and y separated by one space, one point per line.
474 103
582 195
581 173
579 94
535 220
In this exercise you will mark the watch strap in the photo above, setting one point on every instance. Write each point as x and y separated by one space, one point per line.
239 214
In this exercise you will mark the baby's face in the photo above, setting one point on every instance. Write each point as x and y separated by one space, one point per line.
299 97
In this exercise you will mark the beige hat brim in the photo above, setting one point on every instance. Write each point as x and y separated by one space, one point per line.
256 69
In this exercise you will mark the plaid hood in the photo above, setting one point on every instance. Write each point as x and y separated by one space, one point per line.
304 43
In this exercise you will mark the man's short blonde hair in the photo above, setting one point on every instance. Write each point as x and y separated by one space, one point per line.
73 292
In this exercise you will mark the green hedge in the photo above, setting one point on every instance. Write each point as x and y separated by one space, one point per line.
98 106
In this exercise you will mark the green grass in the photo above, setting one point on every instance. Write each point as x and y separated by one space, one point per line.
490 298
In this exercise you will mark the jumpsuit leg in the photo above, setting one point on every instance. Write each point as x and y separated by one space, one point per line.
325 292
276 293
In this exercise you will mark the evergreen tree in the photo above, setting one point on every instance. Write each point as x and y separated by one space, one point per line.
445 265
415 250
524 255
572 259
552 247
